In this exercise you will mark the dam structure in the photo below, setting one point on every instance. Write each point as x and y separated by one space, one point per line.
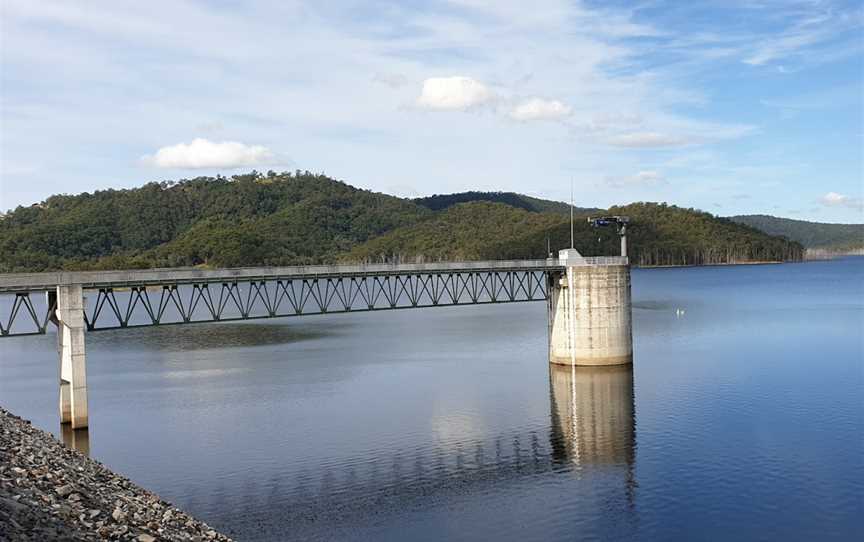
589 313
590 320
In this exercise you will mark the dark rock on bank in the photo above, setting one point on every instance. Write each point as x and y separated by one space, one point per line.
49 492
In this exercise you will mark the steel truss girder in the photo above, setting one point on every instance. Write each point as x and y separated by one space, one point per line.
182 303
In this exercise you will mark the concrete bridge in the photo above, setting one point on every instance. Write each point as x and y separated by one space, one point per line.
588 298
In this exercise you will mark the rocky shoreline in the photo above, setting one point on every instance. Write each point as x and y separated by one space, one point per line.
49 492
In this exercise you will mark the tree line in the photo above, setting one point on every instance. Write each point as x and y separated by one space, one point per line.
307 218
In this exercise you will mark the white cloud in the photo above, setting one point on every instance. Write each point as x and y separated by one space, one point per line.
648 177
202 153
456 93
833 199
647 140
210 127
781 47
392 80
540 109
13 168
626 94
514 13
813 27
559 14
642 178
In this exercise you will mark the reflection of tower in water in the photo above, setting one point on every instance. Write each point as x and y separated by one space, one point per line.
77 439
593 415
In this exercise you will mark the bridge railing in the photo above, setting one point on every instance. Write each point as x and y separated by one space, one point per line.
185 301
35 282
603 260
121 299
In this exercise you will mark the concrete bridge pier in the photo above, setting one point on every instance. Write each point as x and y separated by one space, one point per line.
590 312
69 317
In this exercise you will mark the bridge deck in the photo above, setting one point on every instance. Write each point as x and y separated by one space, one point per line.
34 282
122 299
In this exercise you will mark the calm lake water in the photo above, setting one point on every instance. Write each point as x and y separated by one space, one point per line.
741 419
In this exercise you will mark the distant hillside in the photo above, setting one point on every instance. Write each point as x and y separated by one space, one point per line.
669 235
660 235
443 201
466 231
816 235
250 219
303 218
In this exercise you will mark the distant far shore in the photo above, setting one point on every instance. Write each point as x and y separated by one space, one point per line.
809 257
828 254
718 264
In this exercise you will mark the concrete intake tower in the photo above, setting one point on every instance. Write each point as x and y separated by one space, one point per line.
590 311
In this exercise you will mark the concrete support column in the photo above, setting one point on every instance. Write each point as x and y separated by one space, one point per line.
73 360
590 316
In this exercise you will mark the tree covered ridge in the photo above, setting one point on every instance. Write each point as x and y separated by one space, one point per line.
440 202
659 234
306 218
810 234
670 235
475 230
248 219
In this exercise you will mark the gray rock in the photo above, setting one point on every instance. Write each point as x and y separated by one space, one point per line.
64 490
12 505
118 515
50 492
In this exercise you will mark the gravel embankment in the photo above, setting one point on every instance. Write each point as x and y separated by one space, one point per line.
49 492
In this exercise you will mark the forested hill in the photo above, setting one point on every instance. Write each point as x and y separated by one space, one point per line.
246 220
520 201
817 235
660 235
304 218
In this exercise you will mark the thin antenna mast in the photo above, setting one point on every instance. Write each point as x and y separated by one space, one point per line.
571 214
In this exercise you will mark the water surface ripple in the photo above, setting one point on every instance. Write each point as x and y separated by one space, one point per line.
742 417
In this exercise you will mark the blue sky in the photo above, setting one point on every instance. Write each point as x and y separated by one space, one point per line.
731 106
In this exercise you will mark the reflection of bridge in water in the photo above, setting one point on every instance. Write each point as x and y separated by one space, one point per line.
592 427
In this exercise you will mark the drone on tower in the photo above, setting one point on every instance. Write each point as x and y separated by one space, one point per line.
620 223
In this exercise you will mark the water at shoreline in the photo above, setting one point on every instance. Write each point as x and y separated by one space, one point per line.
741 416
